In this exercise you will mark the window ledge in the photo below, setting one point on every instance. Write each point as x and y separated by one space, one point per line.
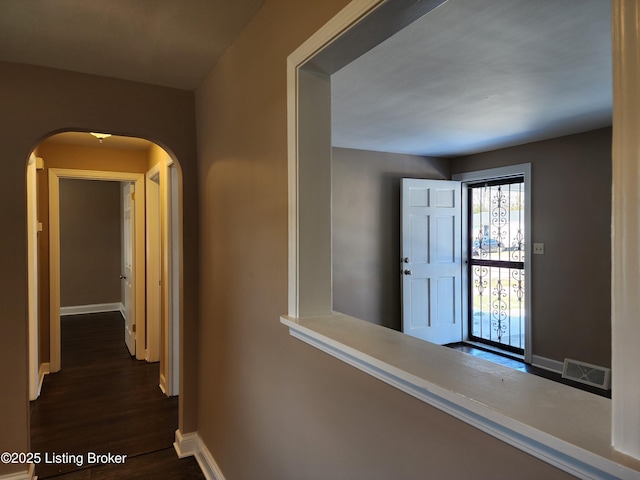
561 425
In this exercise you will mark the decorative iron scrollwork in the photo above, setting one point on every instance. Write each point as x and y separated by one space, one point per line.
518 283
499 310
497 263
480 281
499 214
517 247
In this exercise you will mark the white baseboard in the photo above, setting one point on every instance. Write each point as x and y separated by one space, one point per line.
45 369
191 445
163 385
547 363
95 308
24 475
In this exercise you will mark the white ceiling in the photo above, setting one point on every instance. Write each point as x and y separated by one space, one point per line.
163 42
472 75
476 75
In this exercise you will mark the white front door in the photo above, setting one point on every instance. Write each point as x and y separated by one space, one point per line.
431 267
127 262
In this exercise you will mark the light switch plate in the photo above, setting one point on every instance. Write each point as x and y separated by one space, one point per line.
538 248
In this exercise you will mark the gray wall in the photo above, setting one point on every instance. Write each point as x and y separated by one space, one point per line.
571 215
366 229
89 242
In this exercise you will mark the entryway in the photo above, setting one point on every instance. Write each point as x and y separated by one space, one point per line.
464 259
495 262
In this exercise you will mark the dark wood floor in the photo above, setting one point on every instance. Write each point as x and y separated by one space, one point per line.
105 401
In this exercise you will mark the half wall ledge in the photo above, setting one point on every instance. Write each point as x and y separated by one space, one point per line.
573 432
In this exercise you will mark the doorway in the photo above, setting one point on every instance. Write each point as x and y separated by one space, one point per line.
138 263
131 159
495 242
496 248
465 247
99 355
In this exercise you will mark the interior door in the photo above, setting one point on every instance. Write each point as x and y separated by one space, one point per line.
126 278
431 267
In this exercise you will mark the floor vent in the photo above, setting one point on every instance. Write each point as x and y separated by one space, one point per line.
587 373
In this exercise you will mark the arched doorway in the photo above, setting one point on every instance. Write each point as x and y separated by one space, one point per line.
123 160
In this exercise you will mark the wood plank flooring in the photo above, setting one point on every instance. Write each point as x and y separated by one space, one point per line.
105 401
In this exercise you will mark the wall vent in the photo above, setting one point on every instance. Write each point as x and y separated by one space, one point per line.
587 373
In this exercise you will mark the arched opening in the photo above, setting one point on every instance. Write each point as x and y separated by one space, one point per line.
70 276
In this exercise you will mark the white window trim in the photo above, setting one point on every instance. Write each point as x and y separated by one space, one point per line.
552 429
499 173
510 405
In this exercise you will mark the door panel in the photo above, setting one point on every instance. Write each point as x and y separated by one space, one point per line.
431 260
126 276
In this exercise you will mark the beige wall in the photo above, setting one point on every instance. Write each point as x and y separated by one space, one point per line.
90 234
365 204
80 157
571 215
271 407
36 102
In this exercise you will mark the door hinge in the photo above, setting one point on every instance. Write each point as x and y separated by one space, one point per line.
133 328
133 196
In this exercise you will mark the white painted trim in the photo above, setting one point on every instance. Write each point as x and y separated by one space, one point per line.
32 274
154 254
516 421
94 308
186 444
44 369
163 261
299 241
547 363
626 252
24 475
508 171
163 384
55 174
191 445
625 248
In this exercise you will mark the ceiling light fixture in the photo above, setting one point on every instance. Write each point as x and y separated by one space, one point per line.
100 136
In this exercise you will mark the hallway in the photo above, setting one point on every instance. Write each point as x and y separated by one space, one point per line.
105 401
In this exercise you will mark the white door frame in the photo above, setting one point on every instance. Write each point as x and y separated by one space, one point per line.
55 174
128 218
523 170
32 276
154 183
163 333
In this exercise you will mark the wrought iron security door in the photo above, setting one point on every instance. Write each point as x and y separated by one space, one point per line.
496 263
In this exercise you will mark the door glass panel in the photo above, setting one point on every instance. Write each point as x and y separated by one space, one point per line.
496 264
